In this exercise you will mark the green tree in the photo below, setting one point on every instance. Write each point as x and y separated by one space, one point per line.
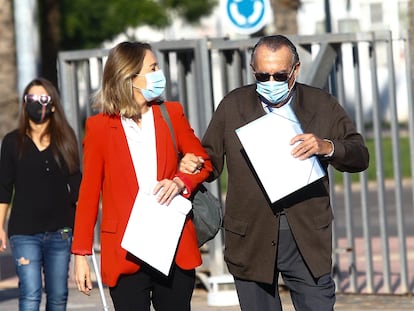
79 24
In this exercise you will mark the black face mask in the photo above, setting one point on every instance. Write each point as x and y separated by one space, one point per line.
38 112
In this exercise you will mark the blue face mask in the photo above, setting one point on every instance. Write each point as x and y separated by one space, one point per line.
274 91
155 85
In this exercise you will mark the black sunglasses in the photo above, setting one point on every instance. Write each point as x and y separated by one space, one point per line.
42 99
277 76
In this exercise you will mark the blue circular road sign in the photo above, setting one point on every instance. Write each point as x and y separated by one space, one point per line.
247 16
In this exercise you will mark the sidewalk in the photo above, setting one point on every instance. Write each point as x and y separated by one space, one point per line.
78 301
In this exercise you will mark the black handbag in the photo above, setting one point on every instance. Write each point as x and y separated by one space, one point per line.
207 215
207 210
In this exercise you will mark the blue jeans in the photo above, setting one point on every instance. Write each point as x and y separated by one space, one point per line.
48 252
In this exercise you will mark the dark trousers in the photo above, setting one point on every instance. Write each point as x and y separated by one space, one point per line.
307 293
135 292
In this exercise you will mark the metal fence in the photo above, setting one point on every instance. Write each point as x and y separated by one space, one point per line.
368 72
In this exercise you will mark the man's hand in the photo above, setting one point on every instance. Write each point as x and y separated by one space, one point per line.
191 164
309 145
83 275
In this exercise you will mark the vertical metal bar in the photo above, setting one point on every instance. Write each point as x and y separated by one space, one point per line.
97 75
75 104
407 37
163 58
347 181
191 88
234 63
396 163
89 100
87 93
224 71
181 78
363 175
99 281
66 71
246 70
335 255
379 167
249 75
410 100
328 22
205 105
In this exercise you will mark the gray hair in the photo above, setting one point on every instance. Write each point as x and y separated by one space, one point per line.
274 43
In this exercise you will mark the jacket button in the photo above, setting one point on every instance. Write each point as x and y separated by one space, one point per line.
273 243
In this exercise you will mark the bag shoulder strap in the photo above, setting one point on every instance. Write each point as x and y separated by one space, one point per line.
167 119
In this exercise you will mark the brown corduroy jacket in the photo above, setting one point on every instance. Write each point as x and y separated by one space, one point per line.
250 221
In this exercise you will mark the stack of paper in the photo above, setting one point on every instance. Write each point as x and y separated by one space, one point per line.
279 172
153 230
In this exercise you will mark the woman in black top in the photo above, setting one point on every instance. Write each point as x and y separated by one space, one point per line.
39 178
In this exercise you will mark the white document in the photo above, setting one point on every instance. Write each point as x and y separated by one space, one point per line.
267 143
153 230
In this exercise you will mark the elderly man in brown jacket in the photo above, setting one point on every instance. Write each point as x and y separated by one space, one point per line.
292 236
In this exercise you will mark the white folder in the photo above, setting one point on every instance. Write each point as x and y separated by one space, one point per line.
153 230
266 141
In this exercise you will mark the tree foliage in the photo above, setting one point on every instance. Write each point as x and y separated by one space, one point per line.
191 10
87 23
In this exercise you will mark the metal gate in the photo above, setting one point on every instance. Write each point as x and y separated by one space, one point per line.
368 72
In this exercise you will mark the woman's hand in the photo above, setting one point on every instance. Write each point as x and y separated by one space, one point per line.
191 164
3 240
83 275
3 236
167 189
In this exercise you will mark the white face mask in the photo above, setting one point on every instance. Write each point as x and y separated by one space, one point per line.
155 85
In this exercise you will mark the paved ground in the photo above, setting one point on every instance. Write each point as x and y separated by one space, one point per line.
348 302
78 301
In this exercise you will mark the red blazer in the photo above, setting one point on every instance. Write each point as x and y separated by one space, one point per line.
108 174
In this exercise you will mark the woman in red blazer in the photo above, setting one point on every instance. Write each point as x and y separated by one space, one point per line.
128 148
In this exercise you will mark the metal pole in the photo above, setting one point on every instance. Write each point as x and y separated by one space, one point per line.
328 23
27 42
99 280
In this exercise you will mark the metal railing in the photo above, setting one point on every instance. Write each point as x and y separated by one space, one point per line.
374 219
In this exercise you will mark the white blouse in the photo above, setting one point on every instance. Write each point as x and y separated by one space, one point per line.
142 147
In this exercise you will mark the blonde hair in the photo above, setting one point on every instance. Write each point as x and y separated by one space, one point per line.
115 96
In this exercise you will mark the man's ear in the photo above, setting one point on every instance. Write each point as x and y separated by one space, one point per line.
297 68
